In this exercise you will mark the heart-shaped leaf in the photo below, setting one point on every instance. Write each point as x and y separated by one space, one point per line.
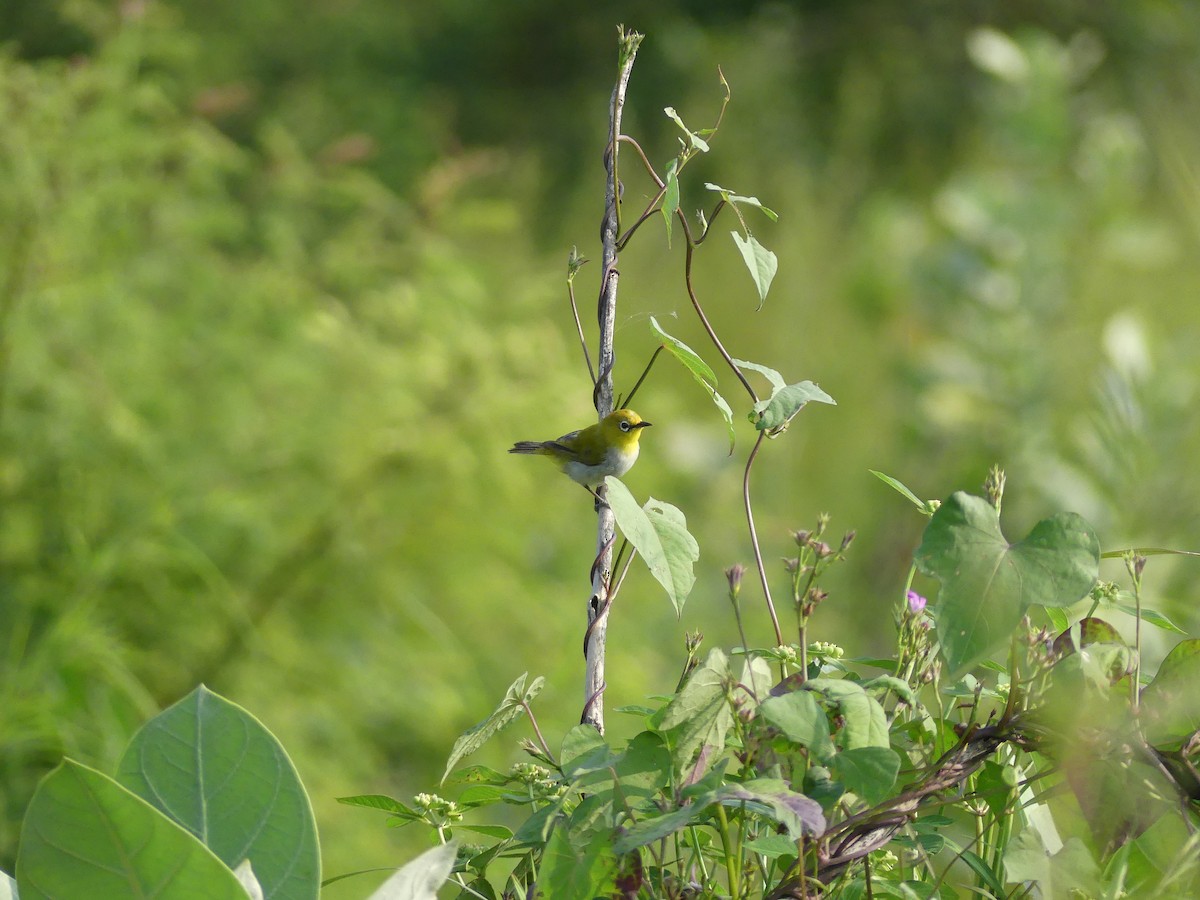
988 583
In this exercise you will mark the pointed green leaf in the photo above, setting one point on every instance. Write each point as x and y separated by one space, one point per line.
761 262
700 371
738 199
659 534
778 382
988 584
901 489
512 706
776 412
1153 616
670 201
215 769
420 878
84 835
694 140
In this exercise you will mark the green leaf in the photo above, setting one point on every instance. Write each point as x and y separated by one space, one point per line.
381 802
1059 621
700 371
1058 875
738 200
420 878
901 489
778 382
865 721
659 533
694 140
581 746
1170 704
1153 616
777 412
890 683
215 769
700 712
768 797
761 262
670 201
84 835
988 584
772 846
575 869
797 813
512 706
802 721
869 772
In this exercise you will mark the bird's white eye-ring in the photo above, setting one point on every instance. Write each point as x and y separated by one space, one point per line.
625 426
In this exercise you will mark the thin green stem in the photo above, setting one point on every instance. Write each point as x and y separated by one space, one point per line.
731 866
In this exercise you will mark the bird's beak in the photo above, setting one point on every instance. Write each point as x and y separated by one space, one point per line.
643 424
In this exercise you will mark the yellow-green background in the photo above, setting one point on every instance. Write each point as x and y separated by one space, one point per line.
280 282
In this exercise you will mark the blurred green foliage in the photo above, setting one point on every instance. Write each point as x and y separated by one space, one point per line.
278 289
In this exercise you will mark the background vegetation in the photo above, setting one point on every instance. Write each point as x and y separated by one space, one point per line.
278 287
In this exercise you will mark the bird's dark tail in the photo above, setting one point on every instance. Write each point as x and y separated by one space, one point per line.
527 447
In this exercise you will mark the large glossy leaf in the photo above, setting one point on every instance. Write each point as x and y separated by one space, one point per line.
84 835
988 583
215 769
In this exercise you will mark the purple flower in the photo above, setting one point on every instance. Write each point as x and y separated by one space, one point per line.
916 603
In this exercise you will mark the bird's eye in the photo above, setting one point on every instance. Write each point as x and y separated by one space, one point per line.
625 426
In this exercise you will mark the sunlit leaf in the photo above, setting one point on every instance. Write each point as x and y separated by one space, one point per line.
700 371
658 531
776 412
217 771
761 262
903 490
738 199
512 706
988 584
694 140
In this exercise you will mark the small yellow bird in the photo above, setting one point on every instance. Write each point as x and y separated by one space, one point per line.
610 447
